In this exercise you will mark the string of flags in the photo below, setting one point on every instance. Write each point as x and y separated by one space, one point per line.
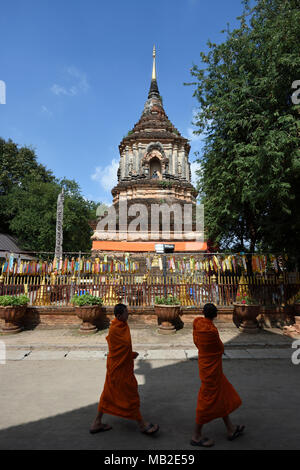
218 263
209 264
81 265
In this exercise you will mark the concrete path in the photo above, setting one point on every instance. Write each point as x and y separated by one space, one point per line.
51 380
148 354
144 337
47 344
50 404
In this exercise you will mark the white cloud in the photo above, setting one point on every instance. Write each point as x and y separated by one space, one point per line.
194 167
196 140
107 176
46 111
82 83
72 74
193 137
58 90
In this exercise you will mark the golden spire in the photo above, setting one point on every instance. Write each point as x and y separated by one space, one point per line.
154 65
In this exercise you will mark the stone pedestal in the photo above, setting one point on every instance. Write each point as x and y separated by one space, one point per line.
12 316
89 314
247 317
166 317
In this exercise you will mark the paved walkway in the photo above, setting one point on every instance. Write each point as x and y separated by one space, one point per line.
70 344
50 404
52 378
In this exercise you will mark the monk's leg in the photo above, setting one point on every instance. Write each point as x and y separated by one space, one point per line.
97 425
199 438
146 427
229 425
232 430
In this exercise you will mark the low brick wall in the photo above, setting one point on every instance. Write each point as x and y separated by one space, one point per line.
61 317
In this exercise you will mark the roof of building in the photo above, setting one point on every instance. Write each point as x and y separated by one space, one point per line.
9 244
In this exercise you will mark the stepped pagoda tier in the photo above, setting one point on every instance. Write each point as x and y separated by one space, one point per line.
154 170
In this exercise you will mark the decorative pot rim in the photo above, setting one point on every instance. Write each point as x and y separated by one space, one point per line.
14 306
166 305
247 305
88 306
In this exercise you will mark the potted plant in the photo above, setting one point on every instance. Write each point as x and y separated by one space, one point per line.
167 310
12 310
89 309
246 311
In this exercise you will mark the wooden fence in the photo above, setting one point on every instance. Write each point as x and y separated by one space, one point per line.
140 291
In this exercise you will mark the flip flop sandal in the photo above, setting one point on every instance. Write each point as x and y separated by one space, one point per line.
201 443
150 426
238 432
94 431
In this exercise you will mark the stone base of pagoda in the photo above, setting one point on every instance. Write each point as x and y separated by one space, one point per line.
126 246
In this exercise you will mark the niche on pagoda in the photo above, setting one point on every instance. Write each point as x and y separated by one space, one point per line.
155 163
155 168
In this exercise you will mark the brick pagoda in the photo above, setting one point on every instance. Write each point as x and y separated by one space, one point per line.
154 169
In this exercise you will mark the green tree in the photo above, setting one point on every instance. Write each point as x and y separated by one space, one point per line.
78 215
250 167
28 203
32 211
15 165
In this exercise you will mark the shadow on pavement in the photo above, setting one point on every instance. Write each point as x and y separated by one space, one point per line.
168 391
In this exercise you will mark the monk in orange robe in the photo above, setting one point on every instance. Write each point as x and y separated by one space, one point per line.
120 393
217 398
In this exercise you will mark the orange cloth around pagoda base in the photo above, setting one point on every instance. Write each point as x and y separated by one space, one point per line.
107 245
217 398
120 393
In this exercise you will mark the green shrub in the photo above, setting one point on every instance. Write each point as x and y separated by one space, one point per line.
86 299
165 184
169 300
13 300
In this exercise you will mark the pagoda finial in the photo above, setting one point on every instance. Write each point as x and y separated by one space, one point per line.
154 64
153 87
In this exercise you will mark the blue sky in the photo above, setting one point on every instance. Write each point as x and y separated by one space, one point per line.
77 75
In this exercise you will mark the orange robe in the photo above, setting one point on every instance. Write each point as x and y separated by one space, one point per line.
217 398
120 393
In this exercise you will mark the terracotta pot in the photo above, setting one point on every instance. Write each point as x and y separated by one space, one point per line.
12 315
166 317
89 314
247 317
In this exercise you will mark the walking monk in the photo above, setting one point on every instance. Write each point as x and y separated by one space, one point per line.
217 398
120 393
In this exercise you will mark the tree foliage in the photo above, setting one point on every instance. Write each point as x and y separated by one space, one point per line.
16 164
250 166
28 203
